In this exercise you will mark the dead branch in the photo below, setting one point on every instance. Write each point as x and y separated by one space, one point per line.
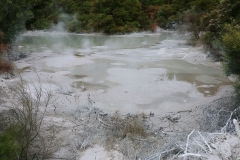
205 141
191 154
237 128
200 146
224 129
185 151
101 121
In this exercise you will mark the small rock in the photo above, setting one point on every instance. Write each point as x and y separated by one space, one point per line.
151 114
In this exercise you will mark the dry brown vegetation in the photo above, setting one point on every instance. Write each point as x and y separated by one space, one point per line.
131 126
135 137
130 134
6 66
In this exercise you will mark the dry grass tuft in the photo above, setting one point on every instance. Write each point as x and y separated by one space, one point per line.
130 126
134 126
6 66
125 130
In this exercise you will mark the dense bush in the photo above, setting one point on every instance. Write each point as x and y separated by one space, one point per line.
231 42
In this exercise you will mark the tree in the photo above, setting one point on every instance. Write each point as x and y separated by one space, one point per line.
214 21
44 14
192 21
13 15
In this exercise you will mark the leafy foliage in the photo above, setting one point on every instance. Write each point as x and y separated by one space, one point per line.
13 17
9 147
231 41
106 16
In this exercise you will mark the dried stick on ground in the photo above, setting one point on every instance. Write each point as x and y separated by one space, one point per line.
210 149
237 128
185 151
135 139
224 129
192 155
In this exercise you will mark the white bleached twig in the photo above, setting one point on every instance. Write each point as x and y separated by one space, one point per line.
223 130
101 121
176 155
85 142
205 141
82 87
200 145
237 128
160 154
191 154
187 141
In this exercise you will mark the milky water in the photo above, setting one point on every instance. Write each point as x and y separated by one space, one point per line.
137 52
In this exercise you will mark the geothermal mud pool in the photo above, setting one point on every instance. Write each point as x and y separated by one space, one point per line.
140 72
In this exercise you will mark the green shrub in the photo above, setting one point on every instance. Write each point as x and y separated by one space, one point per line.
231 43
9 147
41 24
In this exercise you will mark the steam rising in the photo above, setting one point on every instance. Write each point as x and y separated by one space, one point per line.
140 54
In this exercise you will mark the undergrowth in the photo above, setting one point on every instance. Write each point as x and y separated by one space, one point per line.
9 146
